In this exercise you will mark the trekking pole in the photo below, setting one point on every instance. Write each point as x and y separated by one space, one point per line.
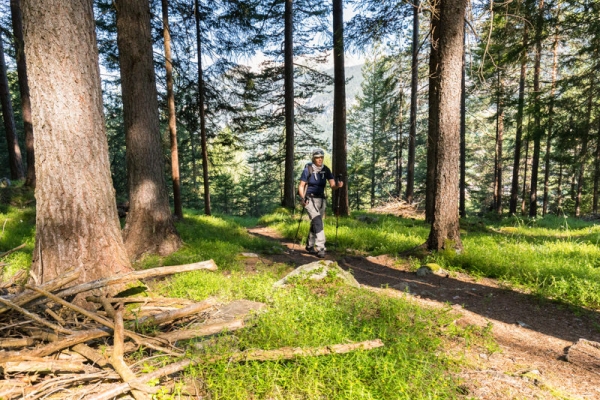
337 211
298 229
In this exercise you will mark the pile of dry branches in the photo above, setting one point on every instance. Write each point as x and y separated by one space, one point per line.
399 208
51 347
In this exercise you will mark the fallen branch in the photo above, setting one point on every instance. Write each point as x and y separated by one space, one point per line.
162 300
264 355
34 317
137 275
90 354
117 356
204 330
137 338
168 316
13 250
43 367
28 296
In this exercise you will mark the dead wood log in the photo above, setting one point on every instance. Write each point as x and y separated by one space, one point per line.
586 354
34 317
28 296
148 342
17 342
165 301
287 353
13 279
43 367
116 359
263 355
168 316
110 311
204 330
137 275
54 315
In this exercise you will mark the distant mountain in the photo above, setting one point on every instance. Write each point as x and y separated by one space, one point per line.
325 121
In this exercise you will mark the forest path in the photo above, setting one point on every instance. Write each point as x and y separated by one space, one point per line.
533 334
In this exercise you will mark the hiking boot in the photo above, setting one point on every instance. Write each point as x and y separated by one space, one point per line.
311 250
321 254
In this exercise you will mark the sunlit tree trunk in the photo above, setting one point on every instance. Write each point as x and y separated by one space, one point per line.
550 124
559 194
414 83
76 215
340 151
15 160
524 191
399 147
463 134
445 230
17 23
537 113
499 139
201 110
149 226
432 126
514 189
171 111
288 182
584 147
596 171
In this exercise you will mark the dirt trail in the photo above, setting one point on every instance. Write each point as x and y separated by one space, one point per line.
533 334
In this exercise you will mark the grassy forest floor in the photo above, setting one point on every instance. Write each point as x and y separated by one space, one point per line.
493 323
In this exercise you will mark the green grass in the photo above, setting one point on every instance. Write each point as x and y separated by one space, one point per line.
554 257
411 365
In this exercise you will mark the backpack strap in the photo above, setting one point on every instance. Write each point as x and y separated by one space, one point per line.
310 168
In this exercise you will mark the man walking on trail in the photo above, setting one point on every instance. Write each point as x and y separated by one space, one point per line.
312 195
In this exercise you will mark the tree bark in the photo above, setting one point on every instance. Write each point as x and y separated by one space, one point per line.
432 126
288 180
584 145
340 152
76 215
514 189
596 172
559 189
149 226
399 146
499 138
445 230
537 113
414 83
17 23
524 191
15 160
204 145
463 134
550 124
171 111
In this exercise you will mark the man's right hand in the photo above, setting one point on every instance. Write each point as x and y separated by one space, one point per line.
304 201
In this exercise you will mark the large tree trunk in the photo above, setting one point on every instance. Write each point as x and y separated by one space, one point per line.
399 147
584 145
537 113
514 189
550 125
499 138
14 151
596 172
445 230
17 23
373 150
172 117
340 152
76 215
288 180
432 126
525 166
463 135
149 227
202 115
414 83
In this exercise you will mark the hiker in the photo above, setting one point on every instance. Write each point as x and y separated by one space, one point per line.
312 195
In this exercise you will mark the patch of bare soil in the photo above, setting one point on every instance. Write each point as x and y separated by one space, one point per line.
533 334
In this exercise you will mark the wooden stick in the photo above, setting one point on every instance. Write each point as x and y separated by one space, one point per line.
136 275
195 308
205 330
284 353
117 356
117 390
137 338
54 315
287 353
26 297
42 367
17 342
13 250
162 300
34 317
110 311
68 341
